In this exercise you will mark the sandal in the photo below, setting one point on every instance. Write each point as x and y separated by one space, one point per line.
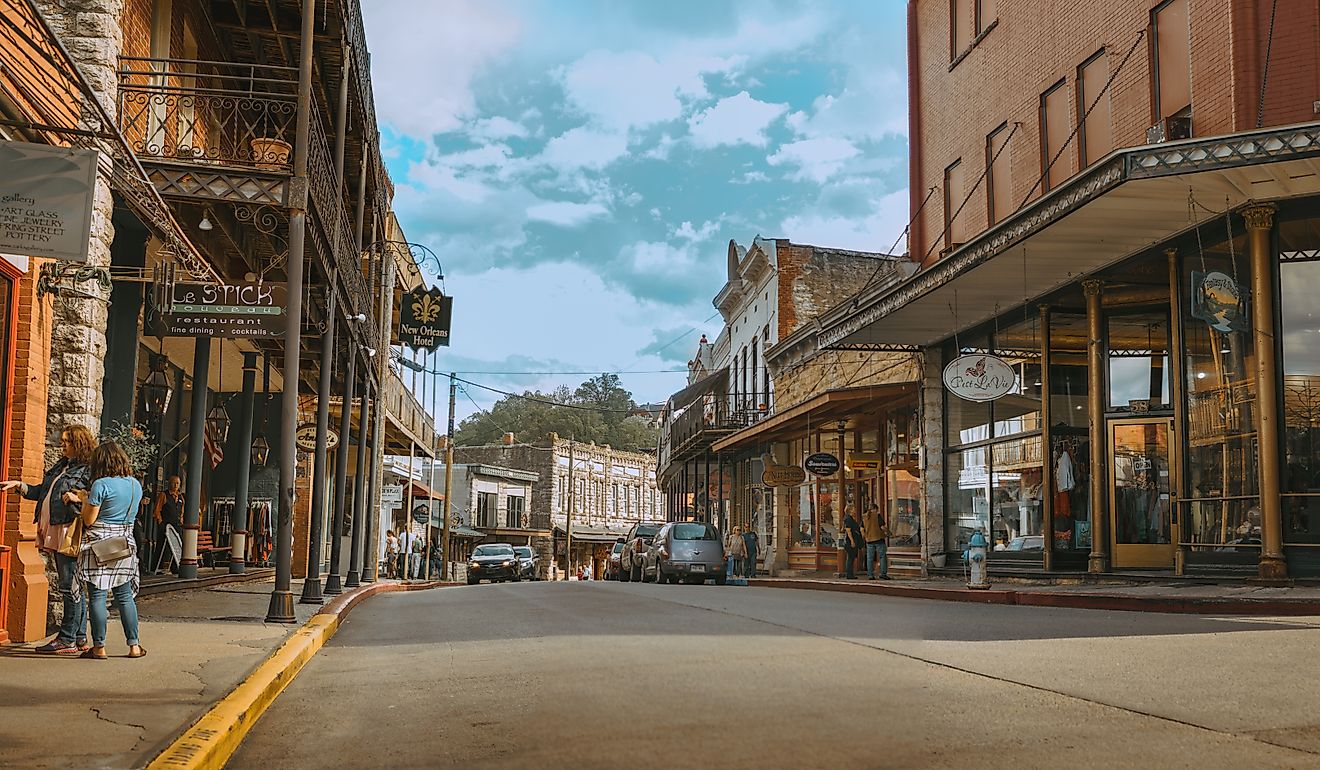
94 653
141 652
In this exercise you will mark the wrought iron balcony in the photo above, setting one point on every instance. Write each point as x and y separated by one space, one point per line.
209 112
409 416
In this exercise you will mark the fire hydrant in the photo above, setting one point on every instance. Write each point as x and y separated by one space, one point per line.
976 553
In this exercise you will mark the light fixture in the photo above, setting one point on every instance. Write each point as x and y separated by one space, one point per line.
156 389
371 352
1079 407
260 451
217 423
1200 375
360 317
205 225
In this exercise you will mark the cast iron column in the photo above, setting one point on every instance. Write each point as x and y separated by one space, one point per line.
370 513
1048 481
311 593
1095 398
192 503
355 545
333 582
446 507
281 598
1178 379
1260 225
372 563
238 517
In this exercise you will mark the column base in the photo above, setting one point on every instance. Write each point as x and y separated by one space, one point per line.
1098 564
1273 571
237 567
188 570
311 591
281 608
333 585
351 580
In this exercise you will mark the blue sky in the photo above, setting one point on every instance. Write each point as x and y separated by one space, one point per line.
580 165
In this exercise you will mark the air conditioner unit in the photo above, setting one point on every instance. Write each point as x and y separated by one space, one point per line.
1170 129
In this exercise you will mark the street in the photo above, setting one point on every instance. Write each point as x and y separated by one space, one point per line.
622 675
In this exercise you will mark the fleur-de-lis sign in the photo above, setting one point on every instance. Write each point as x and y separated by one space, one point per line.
427 311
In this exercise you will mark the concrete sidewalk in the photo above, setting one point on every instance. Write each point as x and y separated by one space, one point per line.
1185 596
120 713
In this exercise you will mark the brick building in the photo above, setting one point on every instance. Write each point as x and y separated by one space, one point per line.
1113 201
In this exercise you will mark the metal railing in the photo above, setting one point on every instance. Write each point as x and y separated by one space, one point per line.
405 409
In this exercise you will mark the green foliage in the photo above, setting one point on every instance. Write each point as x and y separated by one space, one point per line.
531 420
134 440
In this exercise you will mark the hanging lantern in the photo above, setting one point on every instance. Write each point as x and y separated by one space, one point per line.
217 424
260 451
156 389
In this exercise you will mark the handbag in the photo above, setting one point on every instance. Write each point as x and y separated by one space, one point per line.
72 542
111 549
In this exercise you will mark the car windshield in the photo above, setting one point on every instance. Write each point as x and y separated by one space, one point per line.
646 531
694 531
523 551
618 547
492 550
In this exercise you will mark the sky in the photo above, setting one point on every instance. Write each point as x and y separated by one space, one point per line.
579 166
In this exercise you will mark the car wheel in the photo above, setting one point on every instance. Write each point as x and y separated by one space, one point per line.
636 572
472 582
618 575
721 579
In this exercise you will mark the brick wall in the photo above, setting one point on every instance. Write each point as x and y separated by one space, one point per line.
1035 43
813 279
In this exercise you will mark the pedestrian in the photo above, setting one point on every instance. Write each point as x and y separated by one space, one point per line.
876 531
406 540
169 513
852 544
391 554
753 543
736 550
108 558
57 508
415 558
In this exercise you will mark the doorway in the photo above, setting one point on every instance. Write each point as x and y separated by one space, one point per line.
1141 498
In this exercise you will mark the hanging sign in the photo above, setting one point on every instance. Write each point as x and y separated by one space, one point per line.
305 437
424 319
822 464
783 476
221 310
46 200
866 461
1218 300
392 495
979 377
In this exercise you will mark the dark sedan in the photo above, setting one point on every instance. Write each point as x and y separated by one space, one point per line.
529 563
493 562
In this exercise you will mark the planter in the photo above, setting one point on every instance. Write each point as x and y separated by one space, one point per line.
271 154
938 560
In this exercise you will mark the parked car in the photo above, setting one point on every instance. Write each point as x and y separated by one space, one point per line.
635 544
1026 543
493 562
612 566
529 563
690 551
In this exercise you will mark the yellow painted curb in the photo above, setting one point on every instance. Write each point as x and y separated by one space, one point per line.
213 739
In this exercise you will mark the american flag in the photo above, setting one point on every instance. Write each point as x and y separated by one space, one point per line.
215 451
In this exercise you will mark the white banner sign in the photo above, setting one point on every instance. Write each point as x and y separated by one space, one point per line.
391 495
979 377
46 200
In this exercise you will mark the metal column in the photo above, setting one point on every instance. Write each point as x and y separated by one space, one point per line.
333 582
1095 398
192 505
311 593
359 493
1260 226
238 517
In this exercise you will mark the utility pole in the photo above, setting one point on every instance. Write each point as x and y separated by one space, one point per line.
568 514
435 457
449 480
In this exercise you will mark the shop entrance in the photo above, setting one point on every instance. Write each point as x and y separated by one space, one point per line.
1141 503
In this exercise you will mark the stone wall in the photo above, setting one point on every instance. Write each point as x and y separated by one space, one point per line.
842 369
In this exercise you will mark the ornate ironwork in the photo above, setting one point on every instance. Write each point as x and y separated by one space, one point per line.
57 278
246 130
1225 152
267 221
220 184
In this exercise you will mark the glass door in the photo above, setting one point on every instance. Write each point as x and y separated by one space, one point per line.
1141 501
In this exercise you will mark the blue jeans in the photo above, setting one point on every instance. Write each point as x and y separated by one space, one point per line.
74 627
735 568
128 614
750 564
879 551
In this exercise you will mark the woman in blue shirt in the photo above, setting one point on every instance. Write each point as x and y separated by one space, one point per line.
108 511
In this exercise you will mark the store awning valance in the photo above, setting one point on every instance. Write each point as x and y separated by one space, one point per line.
591 534
1130 201
825 407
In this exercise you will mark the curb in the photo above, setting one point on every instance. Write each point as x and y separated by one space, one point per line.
170 586
1113 602
213 738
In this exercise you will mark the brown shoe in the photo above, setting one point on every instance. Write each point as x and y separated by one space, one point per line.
141 652
95 653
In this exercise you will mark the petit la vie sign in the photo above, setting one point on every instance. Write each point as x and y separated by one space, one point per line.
979 377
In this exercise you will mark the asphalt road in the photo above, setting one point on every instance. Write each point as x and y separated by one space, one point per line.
615 675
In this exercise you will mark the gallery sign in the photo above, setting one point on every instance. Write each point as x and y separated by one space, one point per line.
783 476
1218 300
866 461
424 318
222 310
46 200
979 377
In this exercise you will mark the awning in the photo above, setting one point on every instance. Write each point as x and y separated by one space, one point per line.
422 492
709 384
591 534
1127 203
830 405
466 532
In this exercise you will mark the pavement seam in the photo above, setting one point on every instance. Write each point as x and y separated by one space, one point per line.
210 741
993 678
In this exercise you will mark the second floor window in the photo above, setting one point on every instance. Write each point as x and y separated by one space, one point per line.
954 218
999 179
1095 136
487 505
1054 131
514 507
1170 59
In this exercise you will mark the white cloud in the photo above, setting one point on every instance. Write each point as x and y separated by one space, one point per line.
657 257
737 119
429 87
487 156
584 147
751 177
817 159
632 89
690 234
565 213
874 232
496 128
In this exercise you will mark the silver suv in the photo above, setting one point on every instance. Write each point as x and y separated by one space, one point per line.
635 544
690 551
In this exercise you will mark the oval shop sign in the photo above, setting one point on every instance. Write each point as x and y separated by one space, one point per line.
822 464
979 377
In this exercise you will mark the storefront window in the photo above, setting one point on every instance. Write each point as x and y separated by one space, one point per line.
1015 492
1221 507
1138 361
967 487
903 510
1299 285
1068 381
827 511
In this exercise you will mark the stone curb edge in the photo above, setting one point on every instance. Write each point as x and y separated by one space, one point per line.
1189 605
215 736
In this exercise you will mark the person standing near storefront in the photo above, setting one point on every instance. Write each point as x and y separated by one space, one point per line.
852 544
876 531
753 544
169 511
57 507
108 557
736 549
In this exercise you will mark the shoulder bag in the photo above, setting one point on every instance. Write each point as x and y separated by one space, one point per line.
72 542
111 549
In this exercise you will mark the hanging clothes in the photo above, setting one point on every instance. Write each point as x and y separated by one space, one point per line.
1064 478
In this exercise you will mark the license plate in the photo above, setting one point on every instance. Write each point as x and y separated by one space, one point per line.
698 567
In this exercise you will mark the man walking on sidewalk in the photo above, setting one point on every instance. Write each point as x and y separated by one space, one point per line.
876 531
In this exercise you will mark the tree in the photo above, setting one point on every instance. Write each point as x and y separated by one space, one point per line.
598 410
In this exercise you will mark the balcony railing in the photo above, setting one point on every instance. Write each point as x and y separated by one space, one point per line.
209 112
404 409
716 412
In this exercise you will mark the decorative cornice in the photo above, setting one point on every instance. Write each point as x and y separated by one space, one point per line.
1093 287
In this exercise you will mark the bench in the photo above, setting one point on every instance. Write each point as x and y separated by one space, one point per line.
206 546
